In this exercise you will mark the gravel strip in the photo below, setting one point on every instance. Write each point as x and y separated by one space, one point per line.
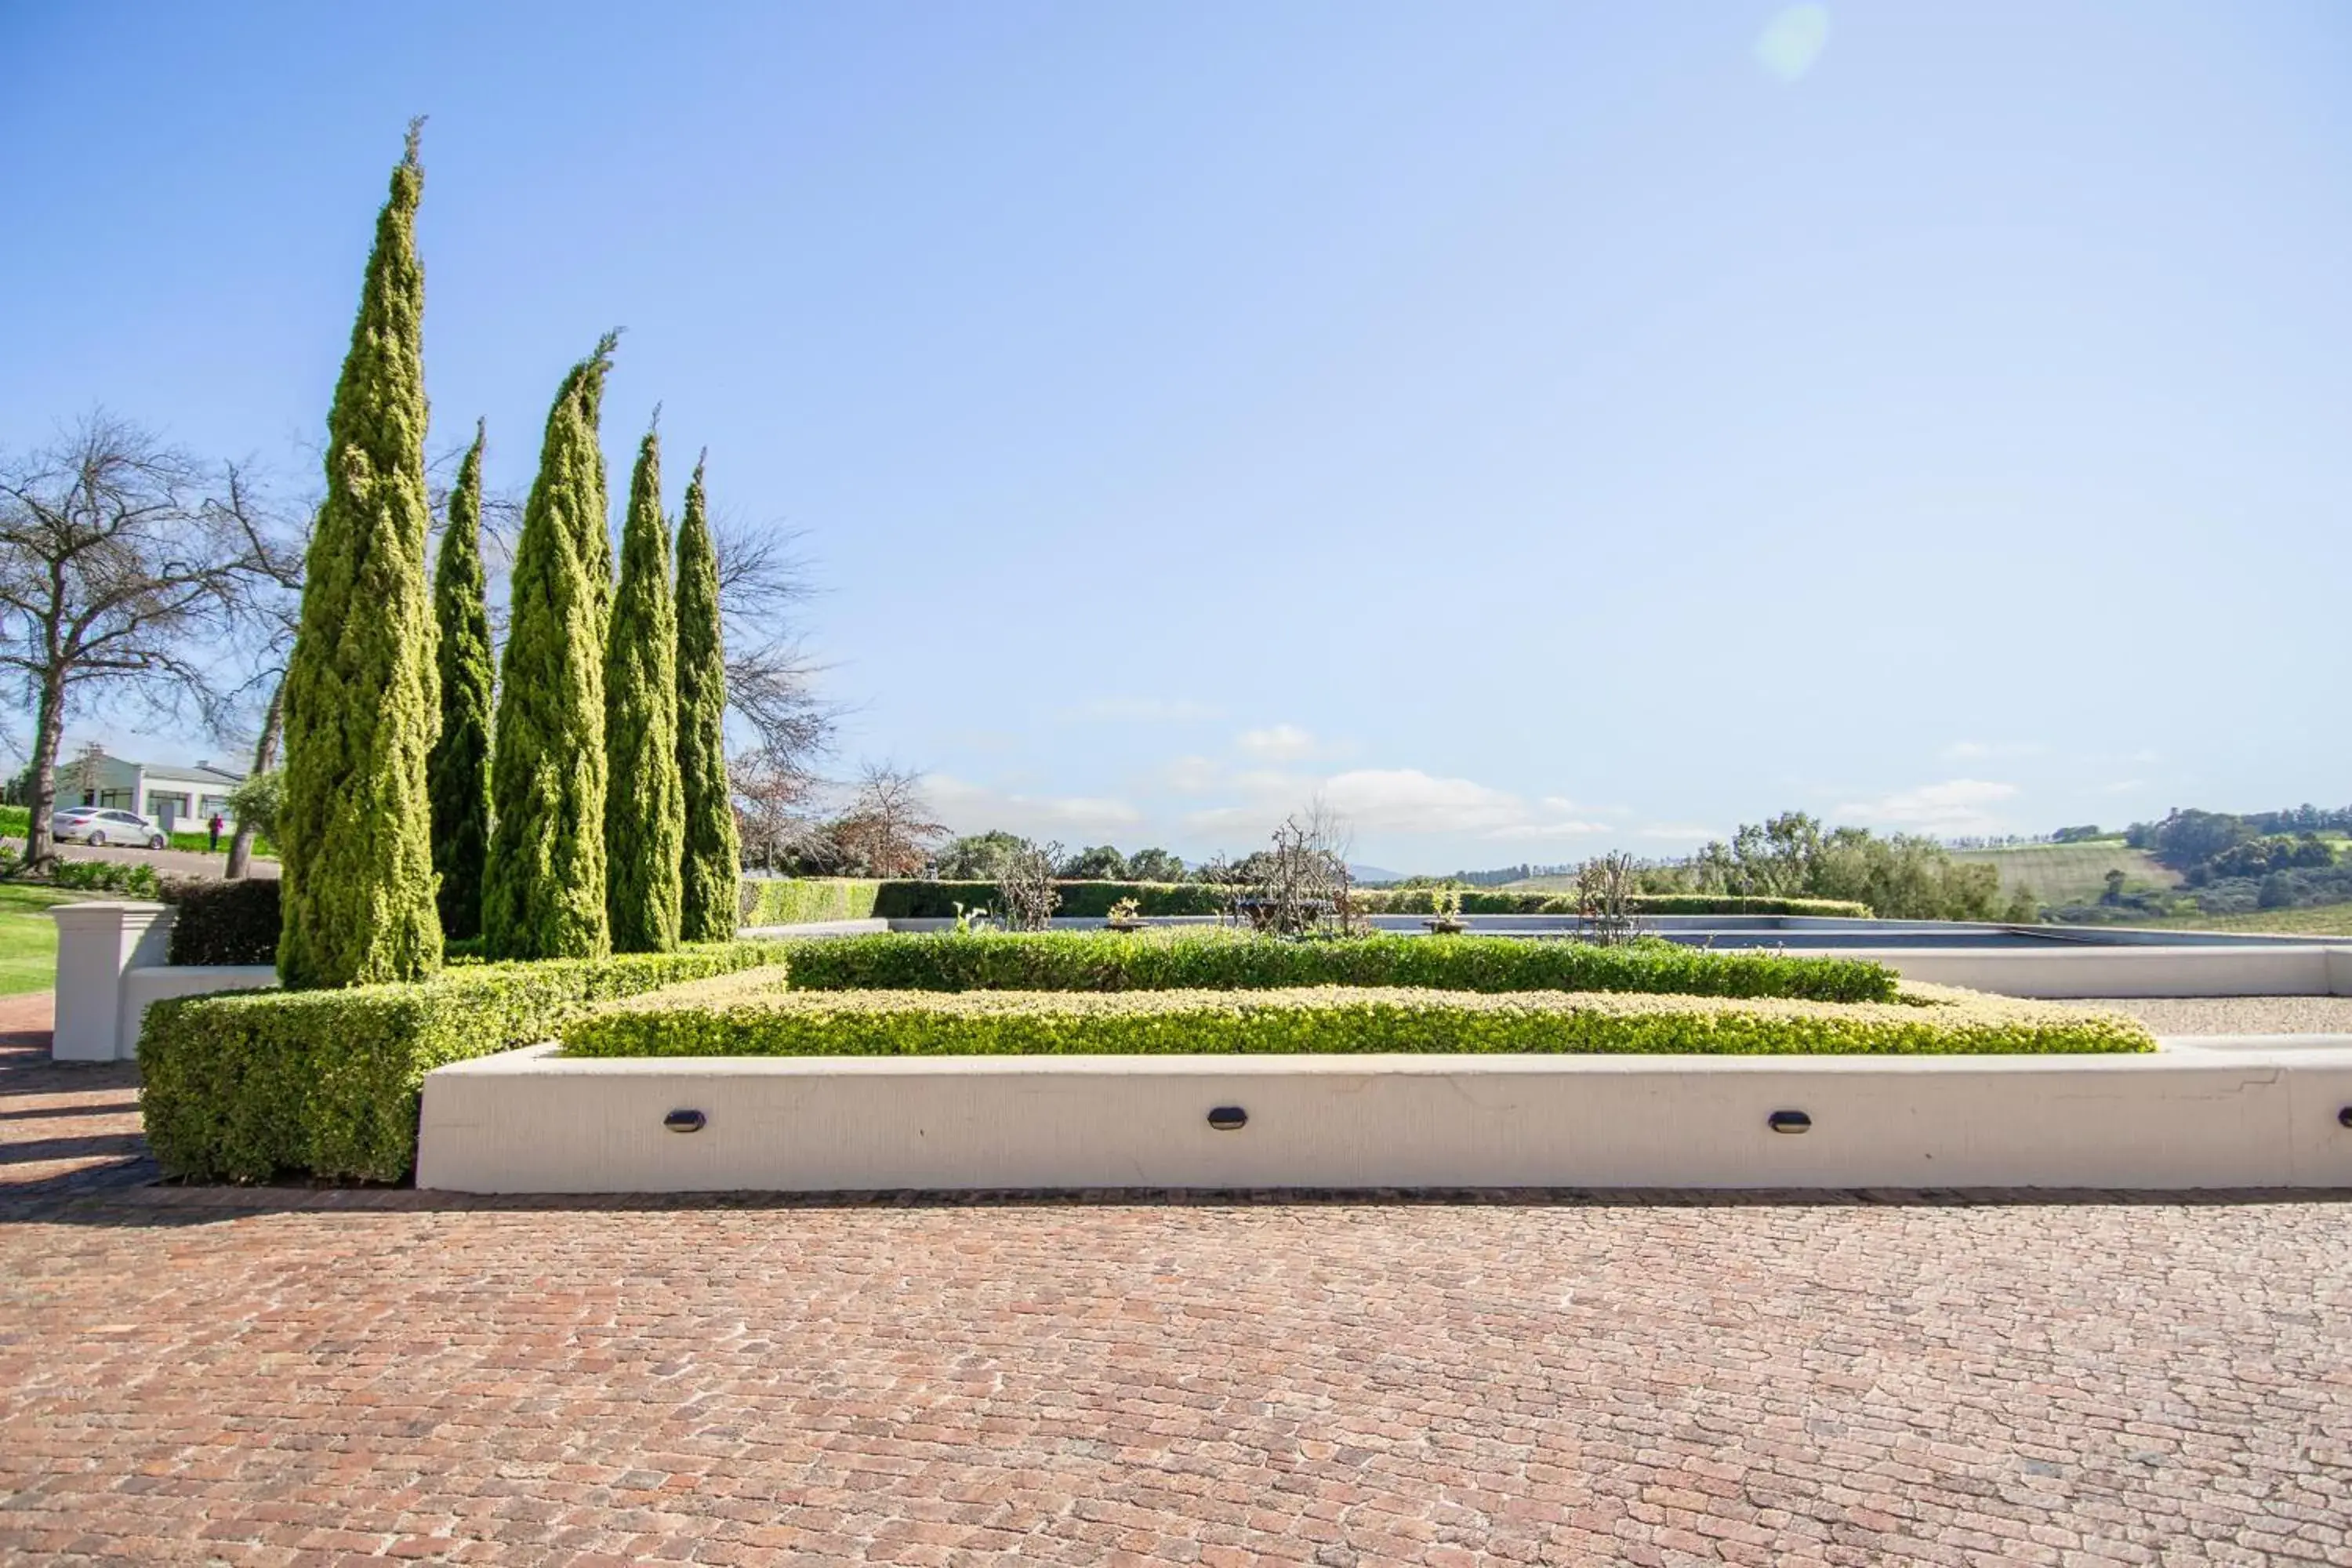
2237 1014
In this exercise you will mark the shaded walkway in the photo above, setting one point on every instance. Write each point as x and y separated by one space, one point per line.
66 1128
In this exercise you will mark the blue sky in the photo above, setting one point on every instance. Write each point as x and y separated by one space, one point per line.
1540 428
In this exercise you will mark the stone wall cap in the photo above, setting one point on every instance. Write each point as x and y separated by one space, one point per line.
107 907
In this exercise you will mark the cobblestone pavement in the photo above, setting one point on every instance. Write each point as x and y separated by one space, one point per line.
1220 1383
282 1376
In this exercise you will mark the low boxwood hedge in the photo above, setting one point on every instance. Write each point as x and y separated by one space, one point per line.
250 1085
223 923
1221 960
745 1021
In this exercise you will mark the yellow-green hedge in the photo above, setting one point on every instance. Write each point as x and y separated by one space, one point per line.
246 1086
796 900
756 1018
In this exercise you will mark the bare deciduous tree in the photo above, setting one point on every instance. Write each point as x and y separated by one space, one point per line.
771 676
887 830
1300 882
121 560
1605 889
774 819
270 609
1025 888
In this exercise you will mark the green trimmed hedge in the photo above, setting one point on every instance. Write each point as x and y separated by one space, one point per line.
937 901
1330 1022
1221 960
785 900
794 900
223 923
248 1086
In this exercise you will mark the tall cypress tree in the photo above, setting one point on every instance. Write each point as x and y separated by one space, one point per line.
544 889
710 874
644 815
459 770
362 697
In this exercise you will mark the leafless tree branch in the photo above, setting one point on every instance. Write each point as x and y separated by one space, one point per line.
123 562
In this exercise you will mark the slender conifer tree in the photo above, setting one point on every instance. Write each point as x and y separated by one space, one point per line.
644 815
543 890
362 697
459 771
709 873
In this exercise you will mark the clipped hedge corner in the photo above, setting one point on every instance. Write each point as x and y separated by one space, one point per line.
248 1086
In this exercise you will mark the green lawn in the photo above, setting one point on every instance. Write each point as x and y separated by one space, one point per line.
28 939
2318 919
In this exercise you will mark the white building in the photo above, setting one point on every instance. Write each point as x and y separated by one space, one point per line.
179 797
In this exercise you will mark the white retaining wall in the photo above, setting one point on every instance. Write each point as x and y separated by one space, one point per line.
111 967
2087 971
2252 1113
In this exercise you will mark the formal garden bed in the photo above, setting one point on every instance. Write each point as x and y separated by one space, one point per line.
257 1085
760 1014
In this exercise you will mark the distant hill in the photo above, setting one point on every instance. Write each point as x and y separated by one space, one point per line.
1369 874
2071 873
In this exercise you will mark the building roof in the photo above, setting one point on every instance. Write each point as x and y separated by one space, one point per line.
198 773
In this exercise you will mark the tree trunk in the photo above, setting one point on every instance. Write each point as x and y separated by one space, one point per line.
264 757
48 733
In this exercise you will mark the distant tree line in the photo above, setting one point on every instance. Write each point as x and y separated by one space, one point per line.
1499 877
982 856
2229 863
1901 877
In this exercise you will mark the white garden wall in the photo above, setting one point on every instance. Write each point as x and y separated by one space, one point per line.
2248 1113
110 968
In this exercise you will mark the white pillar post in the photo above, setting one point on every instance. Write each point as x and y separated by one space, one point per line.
97 944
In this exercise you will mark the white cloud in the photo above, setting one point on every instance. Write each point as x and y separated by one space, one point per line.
1545 830
1954 806
1276 743
969 808
1408 800
1140 711
1393 800
1192 775
2124 787
1979 751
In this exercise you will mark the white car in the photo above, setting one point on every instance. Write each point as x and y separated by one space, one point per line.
100 824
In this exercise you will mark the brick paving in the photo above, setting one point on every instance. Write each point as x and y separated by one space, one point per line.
66 1128
292 1377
